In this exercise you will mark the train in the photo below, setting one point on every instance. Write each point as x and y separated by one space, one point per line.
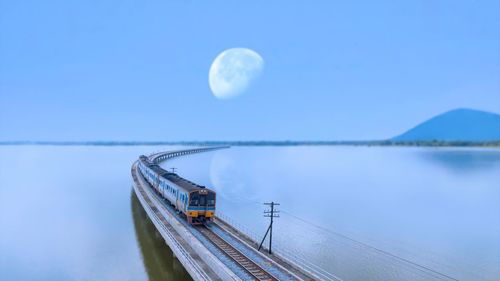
194 201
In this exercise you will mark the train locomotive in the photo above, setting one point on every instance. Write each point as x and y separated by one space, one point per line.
196 202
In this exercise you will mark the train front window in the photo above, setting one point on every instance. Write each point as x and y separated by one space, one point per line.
211 199
197 199
194 199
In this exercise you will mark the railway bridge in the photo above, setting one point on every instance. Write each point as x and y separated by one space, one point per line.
219 251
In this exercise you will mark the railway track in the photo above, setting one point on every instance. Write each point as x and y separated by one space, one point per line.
256 271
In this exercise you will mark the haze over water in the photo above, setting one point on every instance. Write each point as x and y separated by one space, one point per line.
437 207
68 212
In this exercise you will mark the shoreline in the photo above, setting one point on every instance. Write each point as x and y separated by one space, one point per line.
380 143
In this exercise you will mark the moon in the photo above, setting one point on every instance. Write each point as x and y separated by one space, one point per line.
232 72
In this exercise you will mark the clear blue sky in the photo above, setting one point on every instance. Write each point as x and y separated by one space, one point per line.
138 70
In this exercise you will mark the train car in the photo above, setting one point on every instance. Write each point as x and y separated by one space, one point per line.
196 202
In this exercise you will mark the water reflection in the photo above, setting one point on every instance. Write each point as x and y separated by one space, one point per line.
462 161
435 207
157 257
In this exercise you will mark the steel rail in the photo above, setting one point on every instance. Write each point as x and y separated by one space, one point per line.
241 259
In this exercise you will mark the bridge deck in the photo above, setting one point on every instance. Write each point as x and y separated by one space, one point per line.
200 267
219 252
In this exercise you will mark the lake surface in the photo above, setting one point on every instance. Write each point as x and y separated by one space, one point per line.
69 213
359 213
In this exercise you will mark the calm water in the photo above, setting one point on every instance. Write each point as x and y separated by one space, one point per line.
68 213
439 208
361 213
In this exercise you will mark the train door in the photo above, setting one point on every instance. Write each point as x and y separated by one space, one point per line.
177 205
203 200
203 203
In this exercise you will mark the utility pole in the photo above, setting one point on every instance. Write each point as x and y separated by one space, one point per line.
272 213
173 169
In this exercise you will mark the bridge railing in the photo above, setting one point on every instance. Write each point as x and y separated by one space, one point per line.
163 155
238 226
280 250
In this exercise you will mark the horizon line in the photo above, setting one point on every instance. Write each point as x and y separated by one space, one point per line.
384 142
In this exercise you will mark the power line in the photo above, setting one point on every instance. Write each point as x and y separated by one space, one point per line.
401 259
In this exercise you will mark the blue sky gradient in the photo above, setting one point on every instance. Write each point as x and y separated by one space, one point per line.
138 70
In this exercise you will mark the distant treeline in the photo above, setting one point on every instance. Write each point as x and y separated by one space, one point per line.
262 143
438 143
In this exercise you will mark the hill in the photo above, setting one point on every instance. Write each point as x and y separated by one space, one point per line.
456 125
